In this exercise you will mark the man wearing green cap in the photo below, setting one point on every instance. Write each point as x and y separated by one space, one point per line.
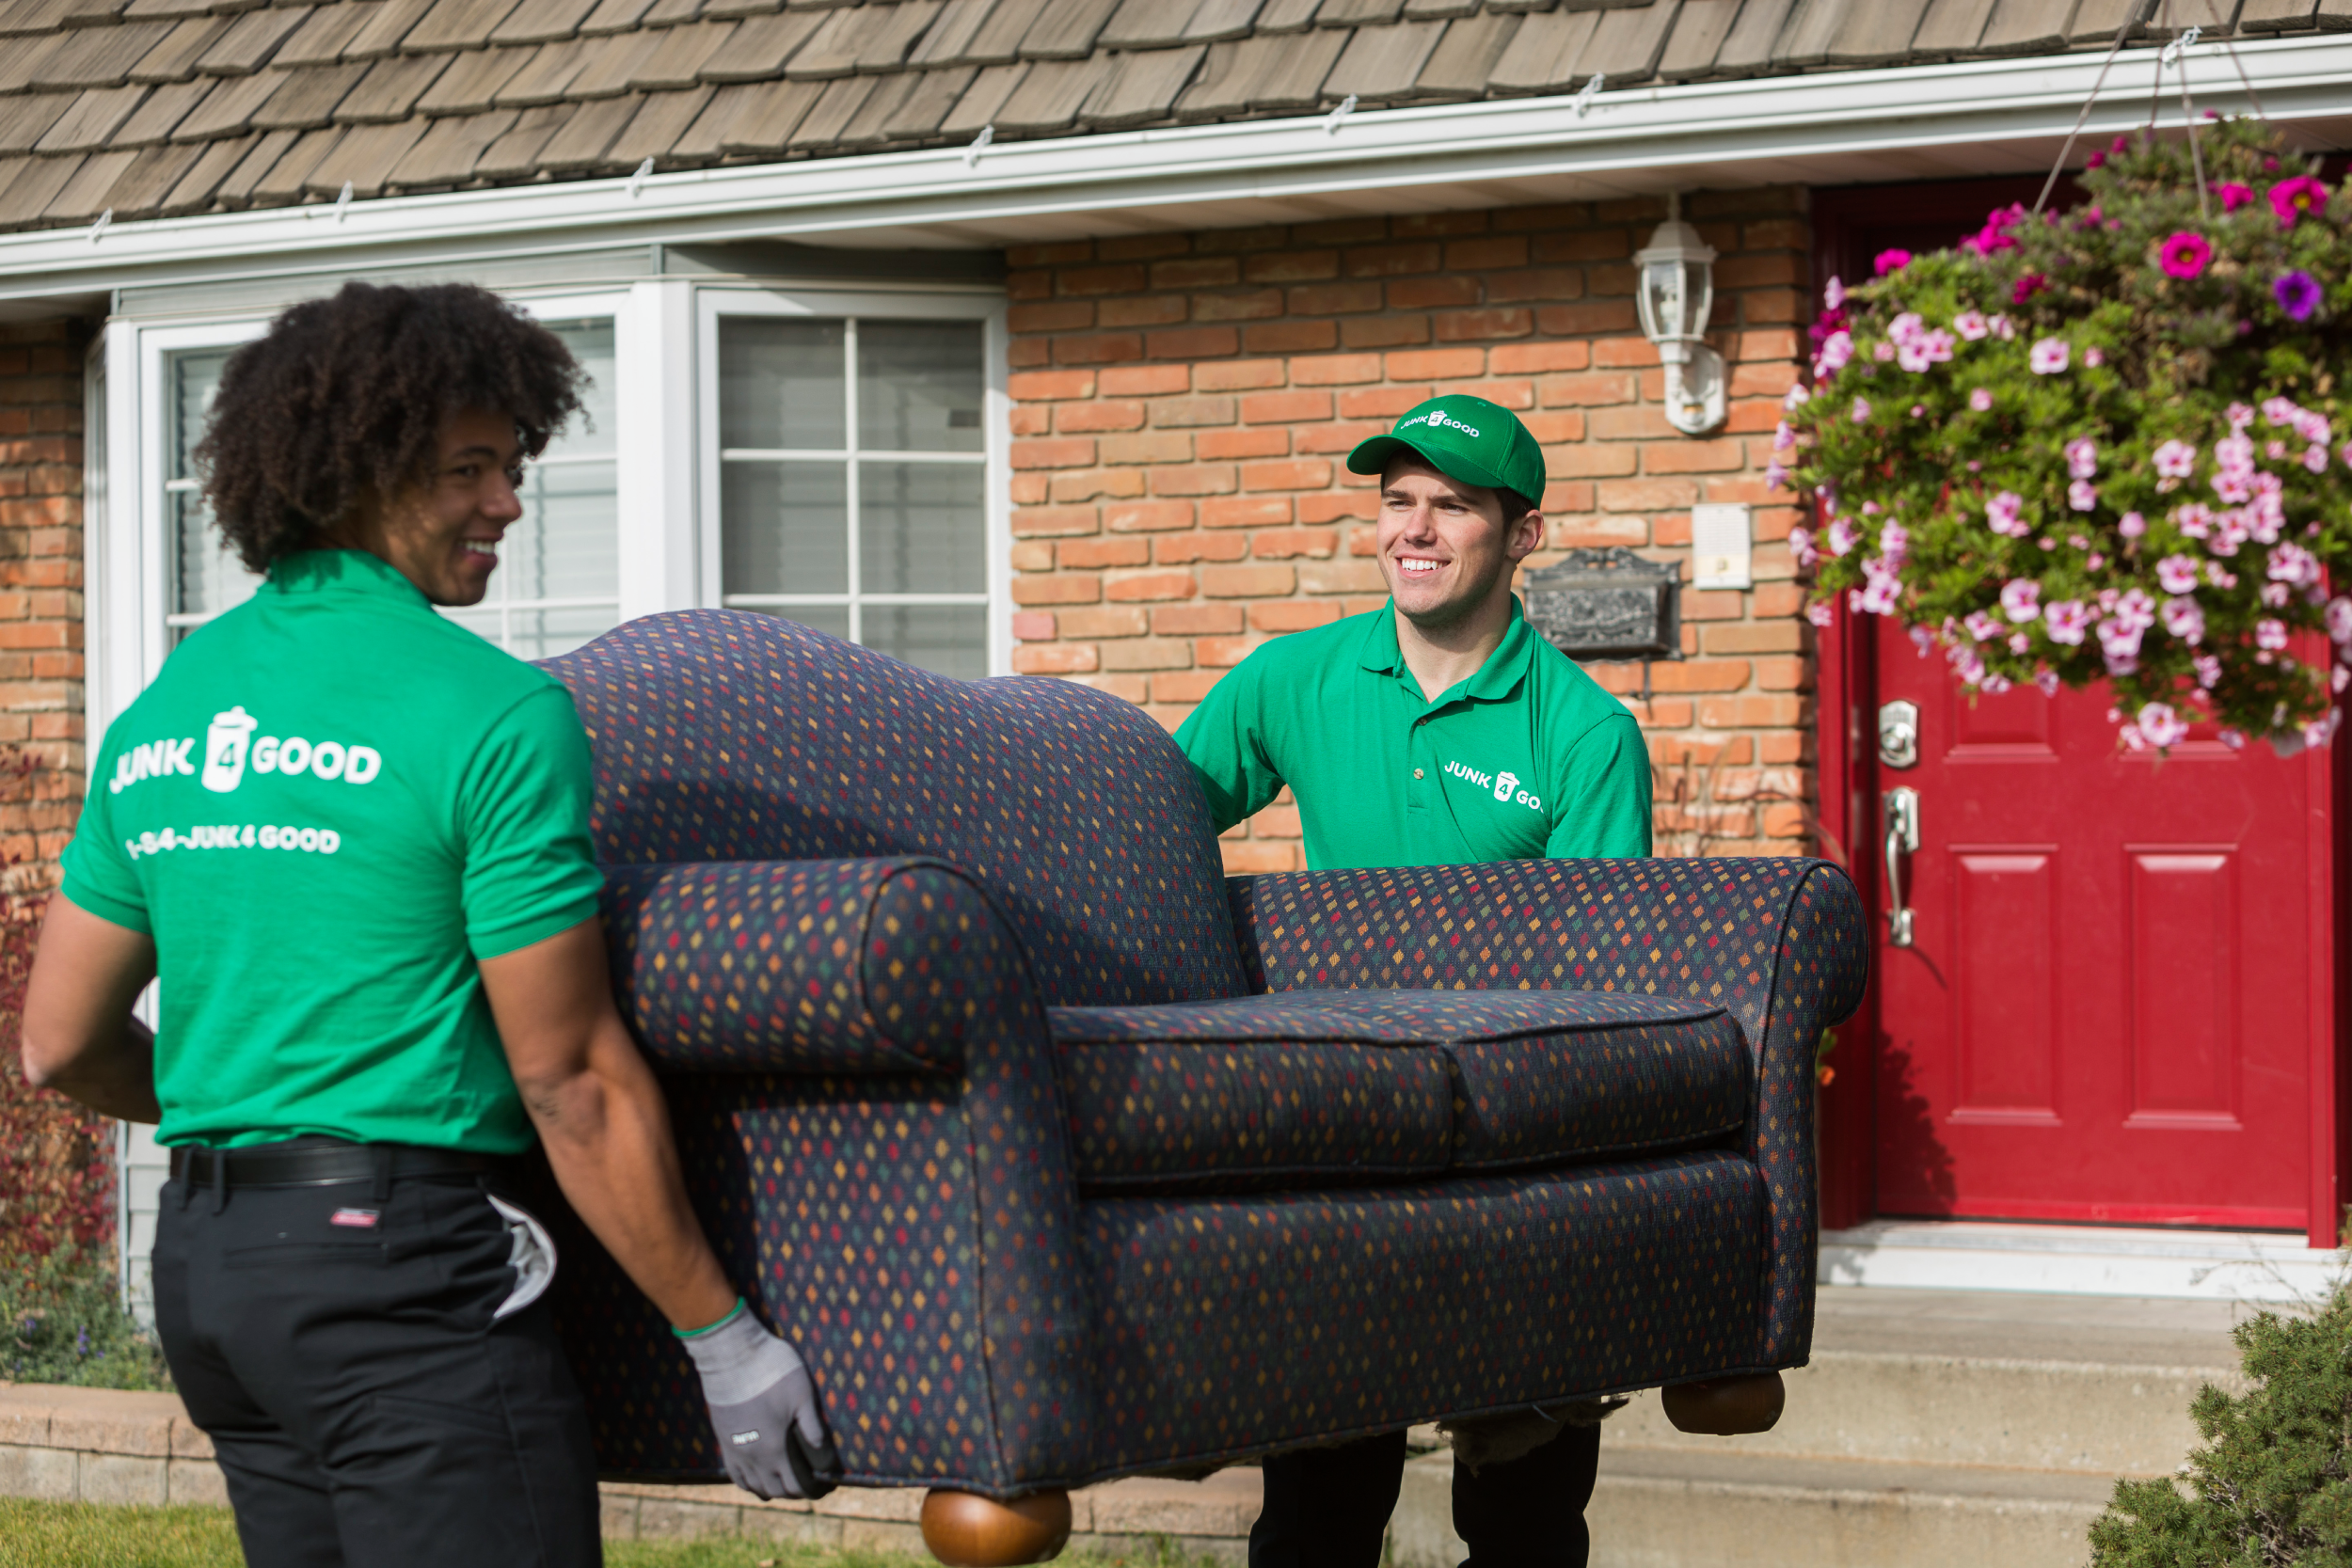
1438 730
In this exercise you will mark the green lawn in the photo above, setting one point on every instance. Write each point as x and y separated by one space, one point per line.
84 1535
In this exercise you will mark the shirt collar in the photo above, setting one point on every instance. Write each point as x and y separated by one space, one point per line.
1495 680
356 572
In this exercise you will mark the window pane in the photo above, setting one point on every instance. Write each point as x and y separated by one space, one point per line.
951 639
567 544
921 529
783 527
536 633
780 383
591 430
919 386
209 577
831 619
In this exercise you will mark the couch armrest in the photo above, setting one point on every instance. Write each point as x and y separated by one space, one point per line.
1779 943
822 967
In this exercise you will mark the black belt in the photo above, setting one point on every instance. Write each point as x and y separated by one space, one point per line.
320 1162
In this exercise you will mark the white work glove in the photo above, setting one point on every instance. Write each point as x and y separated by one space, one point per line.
763 1406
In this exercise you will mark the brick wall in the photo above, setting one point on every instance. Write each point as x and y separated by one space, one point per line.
1184 405
40 600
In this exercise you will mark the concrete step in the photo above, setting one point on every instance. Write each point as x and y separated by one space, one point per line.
1934 1428
1665 1509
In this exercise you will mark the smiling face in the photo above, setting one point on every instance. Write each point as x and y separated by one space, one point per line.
442 532
1446 549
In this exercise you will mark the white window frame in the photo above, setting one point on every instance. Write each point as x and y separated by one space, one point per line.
714 303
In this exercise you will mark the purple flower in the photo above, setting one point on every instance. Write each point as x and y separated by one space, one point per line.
2184 254
1891 260
2299 294
1800 546
1775 475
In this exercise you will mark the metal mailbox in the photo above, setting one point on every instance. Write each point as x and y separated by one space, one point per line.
1607 604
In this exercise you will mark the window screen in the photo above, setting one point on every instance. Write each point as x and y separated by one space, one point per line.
852 481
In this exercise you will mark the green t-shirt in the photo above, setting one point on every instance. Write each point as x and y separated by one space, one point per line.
1527 759
329 805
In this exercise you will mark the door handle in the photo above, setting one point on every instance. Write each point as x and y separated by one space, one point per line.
1902 838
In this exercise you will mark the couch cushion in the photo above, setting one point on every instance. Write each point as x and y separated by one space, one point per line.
1309 1086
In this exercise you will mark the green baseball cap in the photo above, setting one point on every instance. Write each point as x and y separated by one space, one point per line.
1467 440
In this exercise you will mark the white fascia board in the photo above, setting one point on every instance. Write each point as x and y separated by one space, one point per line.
1645 138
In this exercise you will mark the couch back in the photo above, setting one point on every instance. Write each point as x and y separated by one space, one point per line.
727 736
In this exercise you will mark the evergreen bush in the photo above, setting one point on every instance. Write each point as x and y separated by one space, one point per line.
2271 1486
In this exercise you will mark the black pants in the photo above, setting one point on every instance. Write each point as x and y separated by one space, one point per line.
365 1408
1329 1508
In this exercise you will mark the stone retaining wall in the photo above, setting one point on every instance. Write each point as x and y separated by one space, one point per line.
102 1445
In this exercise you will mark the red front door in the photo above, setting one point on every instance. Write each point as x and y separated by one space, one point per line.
2115 1005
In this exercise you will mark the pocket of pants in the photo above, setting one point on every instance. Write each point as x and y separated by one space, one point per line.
434 1416
370 1254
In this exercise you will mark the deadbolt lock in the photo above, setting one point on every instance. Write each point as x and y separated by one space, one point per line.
1898 734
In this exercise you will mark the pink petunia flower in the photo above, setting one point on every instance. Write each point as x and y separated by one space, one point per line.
2082 457
2175 460
2269 635
1971 325
2184 254
2194 518
2160 726
2233 196
2082 496
2299 198
1891 260
1982 625
2132 525
1843 536
2133 608
2066 620
2315 459
2048 356
2003 515
1981 401
2119 644
1823 614
2208 670
1861 409
2178 574
1834 296
1836 349
2340 620
2293 564
2186 620
2020 598
1784 436
2094 356
1775 475
1802 548
1798 397
1894 545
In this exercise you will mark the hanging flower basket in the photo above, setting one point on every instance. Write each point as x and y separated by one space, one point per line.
2103 445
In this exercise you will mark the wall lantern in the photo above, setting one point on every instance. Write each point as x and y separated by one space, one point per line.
1677 290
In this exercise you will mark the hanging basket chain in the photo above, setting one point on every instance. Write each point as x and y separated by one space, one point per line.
2126 30
2177 52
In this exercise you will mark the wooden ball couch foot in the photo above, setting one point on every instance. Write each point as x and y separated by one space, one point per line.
1063 1157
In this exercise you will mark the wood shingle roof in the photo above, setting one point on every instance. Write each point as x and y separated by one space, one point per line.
149 108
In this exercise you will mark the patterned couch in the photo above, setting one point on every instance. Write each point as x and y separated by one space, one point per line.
1063 1156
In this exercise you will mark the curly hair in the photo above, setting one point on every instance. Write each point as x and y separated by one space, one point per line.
343 400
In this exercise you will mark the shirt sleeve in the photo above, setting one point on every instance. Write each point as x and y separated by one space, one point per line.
1604 795
531 870
98 875
1223 739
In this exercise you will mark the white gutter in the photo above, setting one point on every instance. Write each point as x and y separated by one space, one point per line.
1632 140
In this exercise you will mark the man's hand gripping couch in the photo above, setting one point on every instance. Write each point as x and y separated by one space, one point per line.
1062 1156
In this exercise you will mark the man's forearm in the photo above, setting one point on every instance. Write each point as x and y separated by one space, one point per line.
608 1137
116 1076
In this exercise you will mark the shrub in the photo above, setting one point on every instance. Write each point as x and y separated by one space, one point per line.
2271 1485
2101 445
62 1320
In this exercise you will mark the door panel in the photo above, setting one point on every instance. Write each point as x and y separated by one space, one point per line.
2106 1011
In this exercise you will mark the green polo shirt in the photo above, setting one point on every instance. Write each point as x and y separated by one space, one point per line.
1527 759
329 805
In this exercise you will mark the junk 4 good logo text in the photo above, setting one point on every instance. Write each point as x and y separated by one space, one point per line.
231 749
1506 784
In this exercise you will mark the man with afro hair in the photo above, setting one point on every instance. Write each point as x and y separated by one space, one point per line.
351 840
